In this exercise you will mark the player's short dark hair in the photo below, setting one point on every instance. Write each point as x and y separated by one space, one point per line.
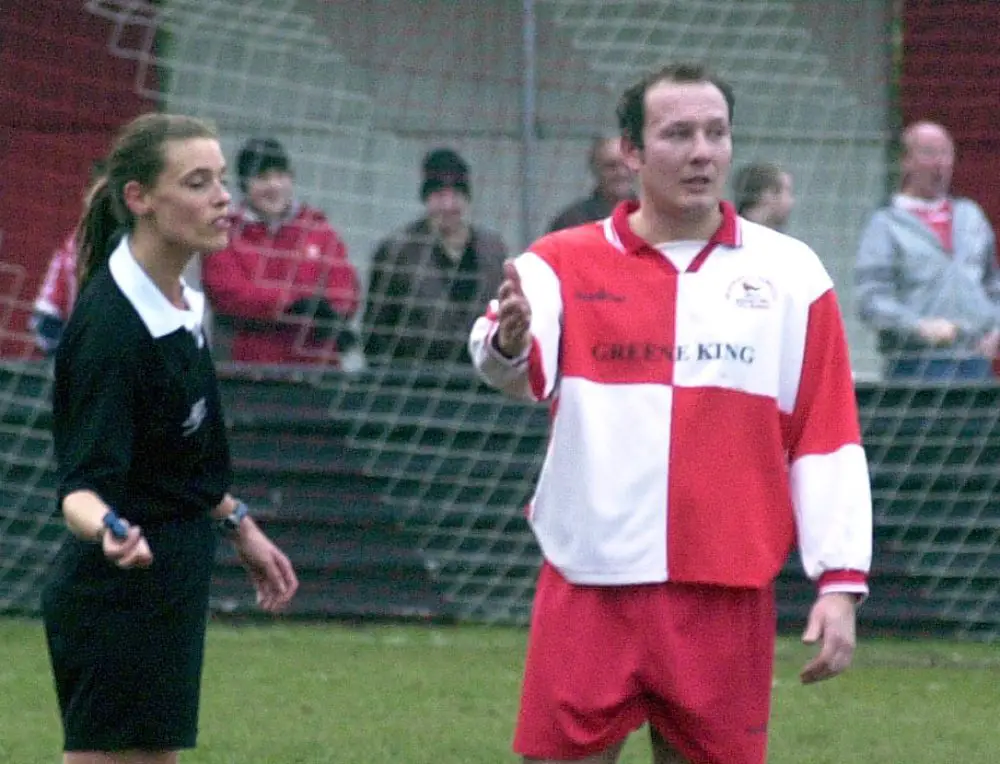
752 181
631 109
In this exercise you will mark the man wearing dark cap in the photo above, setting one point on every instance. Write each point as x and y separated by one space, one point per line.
283 290
429 279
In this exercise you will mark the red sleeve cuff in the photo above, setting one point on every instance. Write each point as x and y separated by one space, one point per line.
846 581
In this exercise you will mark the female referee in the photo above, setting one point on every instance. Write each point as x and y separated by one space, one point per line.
143 461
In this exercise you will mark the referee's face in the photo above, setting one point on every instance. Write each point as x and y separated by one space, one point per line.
687 151
189 204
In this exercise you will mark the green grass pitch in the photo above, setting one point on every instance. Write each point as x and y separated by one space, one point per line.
289 693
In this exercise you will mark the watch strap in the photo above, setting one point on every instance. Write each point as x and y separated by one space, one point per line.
230 524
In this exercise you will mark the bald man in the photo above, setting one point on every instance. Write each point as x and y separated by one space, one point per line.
613 183
926 271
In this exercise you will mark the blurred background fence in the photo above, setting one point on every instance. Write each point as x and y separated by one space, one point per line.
401 490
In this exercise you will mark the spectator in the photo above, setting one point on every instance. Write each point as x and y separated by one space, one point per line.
283 287
926 272
429 280
764 194
613 183
57 293
55 297
703 418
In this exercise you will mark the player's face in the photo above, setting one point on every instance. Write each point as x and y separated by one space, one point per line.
614 178
447 209
189 202
683 165
270 193
928 163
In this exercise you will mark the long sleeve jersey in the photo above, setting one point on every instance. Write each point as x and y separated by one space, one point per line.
703 409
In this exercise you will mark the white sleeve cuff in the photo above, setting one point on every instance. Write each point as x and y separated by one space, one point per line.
493 351
507 374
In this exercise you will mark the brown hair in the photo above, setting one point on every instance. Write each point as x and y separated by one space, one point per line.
632 105
752 181
137 154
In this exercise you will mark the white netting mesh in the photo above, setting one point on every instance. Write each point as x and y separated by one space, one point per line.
358 92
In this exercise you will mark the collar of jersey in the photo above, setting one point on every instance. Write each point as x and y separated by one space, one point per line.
156 311
726 235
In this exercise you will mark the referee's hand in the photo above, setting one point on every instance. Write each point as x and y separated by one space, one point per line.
130 552
270 570
513 314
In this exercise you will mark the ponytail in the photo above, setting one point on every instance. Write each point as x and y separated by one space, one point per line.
96 232
137 155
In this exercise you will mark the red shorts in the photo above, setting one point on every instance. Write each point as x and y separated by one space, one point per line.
694 661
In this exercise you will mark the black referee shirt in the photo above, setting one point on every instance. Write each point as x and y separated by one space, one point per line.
136 411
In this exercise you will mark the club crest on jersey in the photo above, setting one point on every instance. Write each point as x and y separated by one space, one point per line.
752 292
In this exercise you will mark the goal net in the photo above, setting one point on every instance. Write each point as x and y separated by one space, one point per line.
358 92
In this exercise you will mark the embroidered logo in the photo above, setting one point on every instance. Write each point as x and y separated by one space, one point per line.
751 292
190 425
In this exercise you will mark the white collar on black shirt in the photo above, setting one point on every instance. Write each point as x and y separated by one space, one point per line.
156 311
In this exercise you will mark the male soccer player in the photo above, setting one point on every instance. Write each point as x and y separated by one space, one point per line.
703 416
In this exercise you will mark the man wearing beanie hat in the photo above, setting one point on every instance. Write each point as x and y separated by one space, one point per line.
428 279
444 168
283 288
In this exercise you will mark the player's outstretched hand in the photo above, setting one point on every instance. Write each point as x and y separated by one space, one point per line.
513 314
270 571
832 620
130 552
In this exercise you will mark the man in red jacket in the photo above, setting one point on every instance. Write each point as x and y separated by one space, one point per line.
283 287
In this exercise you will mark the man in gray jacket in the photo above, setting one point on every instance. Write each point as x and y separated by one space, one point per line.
927 274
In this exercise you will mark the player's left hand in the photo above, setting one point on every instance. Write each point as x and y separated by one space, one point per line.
832 620
269 569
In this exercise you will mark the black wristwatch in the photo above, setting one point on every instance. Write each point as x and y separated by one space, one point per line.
230 524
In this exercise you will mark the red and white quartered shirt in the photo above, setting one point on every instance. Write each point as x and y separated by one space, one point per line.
703 409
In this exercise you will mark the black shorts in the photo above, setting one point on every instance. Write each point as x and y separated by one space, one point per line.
127 646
